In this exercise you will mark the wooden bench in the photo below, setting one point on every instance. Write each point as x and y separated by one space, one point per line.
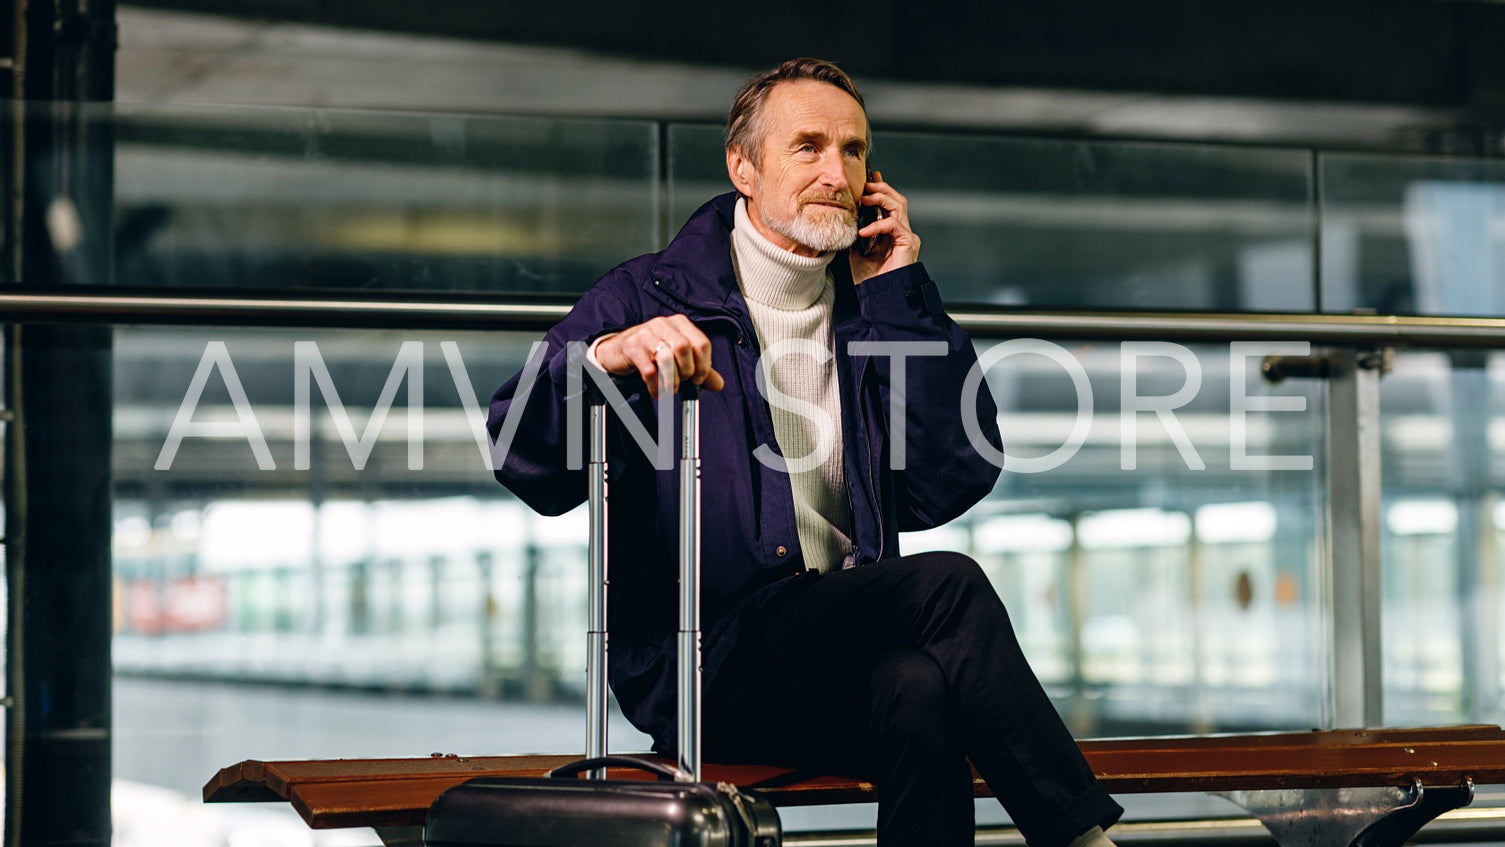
1328 787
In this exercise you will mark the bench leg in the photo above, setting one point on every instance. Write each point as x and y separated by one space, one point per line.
1350 817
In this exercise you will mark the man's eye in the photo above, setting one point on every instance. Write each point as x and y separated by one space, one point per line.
807 148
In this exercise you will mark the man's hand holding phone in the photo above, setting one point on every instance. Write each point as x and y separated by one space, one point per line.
884 240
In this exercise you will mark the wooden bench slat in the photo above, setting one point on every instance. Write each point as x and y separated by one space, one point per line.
1481 732
392 802
343 770
1316 766
398 792
1421 756
243 782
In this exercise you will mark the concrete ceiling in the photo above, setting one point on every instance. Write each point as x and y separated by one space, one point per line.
1231 77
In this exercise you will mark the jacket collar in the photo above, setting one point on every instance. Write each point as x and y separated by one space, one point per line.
696 268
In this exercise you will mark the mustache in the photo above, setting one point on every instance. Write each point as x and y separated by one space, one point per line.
843 198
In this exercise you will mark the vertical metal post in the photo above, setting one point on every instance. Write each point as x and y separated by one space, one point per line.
436 592
314 620
689 581
1354 521
1469 484
486 614
535 684
1081 715
596 635
1196 585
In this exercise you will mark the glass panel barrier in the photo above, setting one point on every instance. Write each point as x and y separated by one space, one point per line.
1412 235
301 198
1443 523
1073 224
1156 541
289 198
355 602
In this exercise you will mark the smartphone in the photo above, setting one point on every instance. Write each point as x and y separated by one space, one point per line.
869 246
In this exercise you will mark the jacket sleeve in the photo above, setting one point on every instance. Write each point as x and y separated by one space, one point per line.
952 449
528 420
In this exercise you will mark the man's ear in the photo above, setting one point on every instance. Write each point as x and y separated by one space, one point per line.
740 169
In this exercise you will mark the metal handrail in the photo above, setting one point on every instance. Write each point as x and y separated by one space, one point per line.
1348 330
536 313
281 309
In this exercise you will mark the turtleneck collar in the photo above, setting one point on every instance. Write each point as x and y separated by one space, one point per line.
771 275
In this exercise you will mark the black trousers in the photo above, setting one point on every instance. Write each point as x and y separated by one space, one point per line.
897 673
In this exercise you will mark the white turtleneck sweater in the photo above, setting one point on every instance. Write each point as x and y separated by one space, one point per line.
790 298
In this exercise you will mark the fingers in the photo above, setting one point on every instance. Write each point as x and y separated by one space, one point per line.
898 244
879 193
713 381
668 348
891 225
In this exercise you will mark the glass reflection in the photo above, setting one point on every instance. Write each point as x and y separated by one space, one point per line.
1035 222
1410 235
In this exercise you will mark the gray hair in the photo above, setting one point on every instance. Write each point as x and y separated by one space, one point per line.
745 124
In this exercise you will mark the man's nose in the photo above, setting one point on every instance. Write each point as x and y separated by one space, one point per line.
833 171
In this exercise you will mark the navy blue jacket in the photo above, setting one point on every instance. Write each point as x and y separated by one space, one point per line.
750 547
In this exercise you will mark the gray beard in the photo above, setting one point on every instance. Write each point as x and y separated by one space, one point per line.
823 233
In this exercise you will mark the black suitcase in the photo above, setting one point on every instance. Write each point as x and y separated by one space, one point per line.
562 810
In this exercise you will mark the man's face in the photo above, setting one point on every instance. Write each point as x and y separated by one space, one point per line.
802 193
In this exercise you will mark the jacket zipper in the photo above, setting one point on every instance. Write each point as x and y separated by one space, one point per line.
872 481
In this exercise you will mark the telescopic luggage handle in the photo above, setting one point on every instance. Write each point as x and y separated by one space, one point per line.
689 672
596 569
689 581
665 773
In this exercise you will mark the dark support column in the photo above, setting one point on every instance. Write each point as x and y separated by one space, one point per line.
58 557
59 196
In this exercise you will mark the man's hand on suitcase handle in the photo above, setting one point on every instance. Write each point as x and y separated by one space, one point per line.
650 347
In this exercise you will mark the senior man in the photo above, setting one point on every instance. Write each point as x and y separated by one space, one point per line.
825 647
